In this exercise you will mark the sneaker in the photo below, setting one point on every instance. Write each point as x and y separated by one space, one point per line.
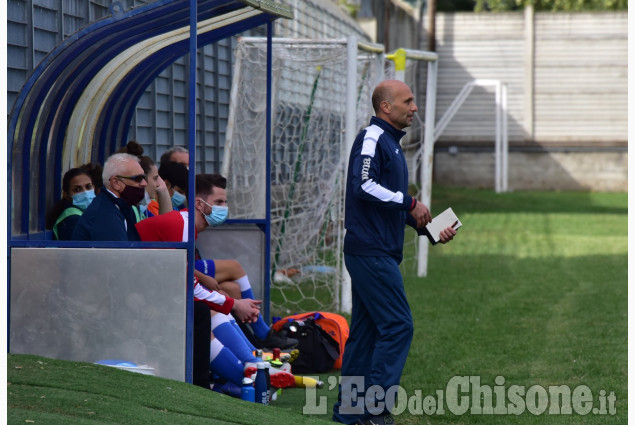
275 340
377 420
279 378
290 356
227 388
285 357
282 379
271 341
251 368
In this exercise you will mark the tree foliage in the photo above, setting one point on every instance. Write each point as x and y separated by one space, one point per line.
551 5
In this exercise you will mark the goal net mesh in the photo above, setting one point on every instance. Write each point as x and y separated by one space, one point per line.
306 164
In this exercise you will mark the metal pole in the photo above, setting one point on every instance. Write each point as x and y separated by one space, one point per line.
378 74
432 25
399 58
501 145
189 299
268 124
427 160
505 139
349 134
497 143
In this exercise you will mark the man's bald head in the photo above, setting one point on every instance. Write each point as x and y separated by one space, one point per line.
385 91
393 102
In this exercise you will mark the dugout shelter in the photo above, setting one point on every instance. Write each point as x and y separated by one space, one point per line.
103 300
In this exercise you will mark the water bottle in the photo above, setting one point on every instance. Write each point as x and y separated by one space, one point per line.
261 384
259 355
248 392
268 375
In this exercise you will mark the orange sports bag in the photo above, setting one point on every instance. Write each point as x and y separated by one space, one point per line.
334 324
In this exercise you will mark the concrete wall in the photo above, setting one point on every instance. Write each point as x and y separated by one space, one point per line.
566 75
539 170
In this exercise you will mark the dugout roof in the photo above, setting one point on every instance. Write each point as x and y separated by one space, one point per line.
78 104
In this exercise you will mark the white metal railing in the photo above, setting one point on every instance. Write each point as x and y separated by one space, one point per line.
501 141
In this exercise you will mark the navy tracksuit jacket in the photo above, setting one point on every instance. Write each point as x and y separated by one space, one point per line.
377 200
377 205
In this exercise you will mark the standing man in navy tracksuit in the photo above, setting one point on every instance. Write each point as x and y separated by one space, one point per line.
377 209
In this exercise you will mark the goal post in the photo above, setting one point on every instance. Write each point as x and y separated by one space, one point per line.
405 69
320 99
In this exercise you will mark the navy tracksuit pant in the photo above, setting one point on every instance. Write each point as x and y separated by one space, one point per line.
380 336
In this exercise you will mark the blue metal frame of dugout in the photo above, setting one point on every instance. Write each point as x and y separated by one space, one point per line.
39 136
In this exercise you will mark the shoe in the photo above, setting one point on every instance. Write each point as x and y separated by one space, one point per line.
279 378
251 368
290 356
282 379
249 333
285 357
275 340
377 420
227 388
271 341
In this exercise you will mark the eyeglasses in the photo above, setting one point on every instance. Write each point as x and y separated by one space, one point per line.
138 178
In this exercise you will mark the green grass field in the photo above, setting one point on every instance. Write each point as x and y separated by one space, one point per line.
533 290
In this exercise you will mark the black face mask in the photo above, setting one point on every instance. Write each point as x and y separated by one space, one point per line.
133 195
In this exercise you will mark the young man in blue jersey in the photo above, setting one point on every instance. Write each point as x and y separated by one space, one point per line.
377 209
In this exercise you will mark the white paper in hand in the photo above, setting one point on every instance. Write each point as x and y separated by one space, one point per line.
444 220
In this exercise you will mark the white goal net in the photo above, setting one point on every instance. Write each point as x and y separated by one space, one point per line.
306 162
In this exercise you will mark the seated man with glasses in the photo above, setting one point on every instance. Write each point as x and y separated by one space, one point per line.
111 216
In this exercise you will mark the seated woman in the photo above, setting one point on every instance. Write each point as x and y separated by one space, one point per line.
94 170
175 176
77 193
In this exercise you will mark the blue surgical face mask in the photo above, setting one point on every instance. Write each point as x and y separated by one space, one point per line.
178 200
143 205
145 201
217 216
83 199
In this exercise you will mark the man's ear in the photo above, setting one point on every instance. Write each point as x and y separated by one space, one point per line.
385 106
115 184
